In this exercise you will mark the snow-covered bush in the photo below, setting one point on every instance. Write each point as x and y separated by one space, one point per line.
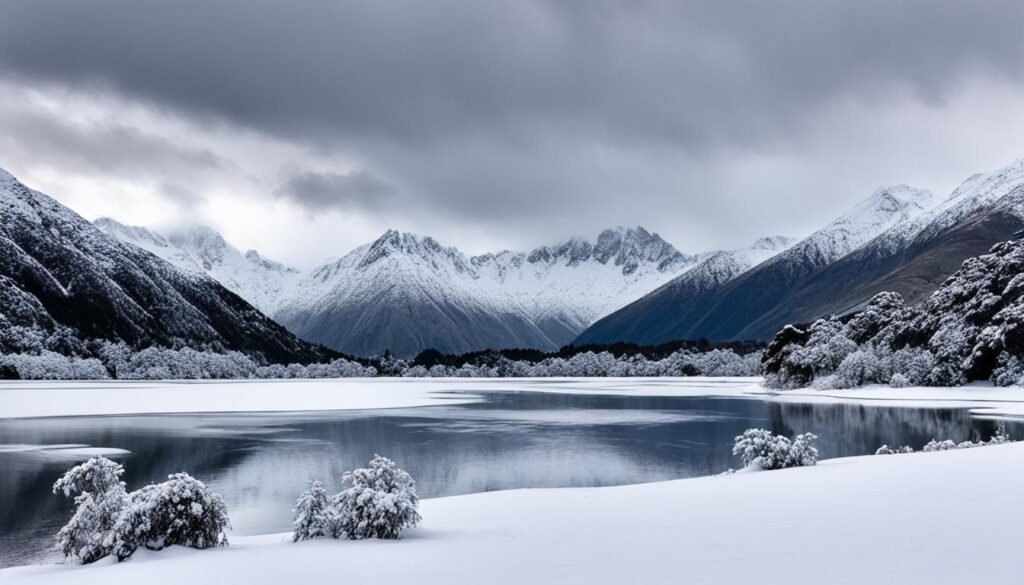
100 498
1000 436
313 514
913 363
887 450
935 445
180 511
898 381
48 365
761 448
380 503
109 520
803 452
858 368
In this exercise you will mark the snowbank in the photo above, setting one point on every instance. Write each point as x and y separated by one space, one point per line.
39 399
935 518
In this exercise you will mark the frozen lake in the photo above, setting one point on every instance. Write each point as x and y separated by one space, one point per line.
260 462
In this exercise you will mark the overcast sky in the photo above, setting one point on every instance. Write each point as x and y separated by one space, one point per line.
307 127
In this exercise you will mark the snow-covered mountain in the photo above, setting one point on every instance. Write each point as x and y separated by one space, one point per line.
407 293
720 310
64 282
912 258
199 249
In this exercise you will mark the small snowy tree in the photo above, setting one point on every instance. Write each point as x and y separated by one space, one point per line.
181 510
313 514
380 504
803 452
760 447
100 498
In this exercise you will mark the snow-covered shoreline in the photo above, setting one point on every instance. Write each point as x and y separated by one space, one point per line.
935 518
52 399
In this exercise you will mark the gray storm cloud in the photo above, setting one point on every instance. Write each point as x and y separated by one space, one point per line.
491 111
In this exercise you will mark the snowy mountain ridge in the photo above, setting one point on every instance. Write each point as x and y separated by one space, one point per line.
884 209
201 250
541 298
728 291
65 286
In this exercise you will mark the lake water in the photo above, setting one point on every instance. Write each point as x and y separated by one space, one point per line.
261 462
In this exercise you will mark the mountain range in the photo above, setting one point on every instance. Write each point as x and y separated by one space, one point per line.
405 293
900 239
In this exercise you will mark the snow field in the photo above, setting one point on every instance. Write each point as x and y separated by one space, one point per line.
934 518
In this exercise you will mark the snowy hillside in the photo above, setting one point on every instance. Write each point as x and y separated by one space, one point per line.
66 286
722 297
884 209
407 293
264 283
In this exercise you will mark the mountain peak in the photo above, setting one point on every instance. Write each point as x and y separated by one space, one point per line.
394 242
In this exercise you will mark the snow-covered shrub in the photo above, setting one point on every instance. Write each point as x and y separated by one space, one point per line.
760 447
416 372
803 452
935 445
100 499
913 363
313 514
48 365
858 368
180 511
380 503
1009 370
1000 436
887 450
161 363
898 381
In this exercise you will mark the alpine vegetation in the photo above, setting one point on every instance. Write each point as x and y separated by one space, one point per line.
160 363
999 437
313 514
181 510
380 502
100 499
761 449
109 520
969 329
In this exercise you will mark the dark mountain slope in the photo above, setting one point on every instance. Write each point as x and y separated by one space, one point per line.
679 310
60 275
914 271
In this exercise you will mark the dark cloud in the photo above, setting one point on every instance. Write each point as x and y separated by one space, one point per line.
357 190
689 71
99 146
490 111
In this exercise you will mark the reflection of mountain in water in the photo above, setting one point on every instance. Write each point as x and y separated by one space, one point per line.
260 463
854 429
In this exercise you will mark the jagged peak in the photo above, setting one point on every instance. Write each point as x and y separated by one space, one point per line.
628 247
394 242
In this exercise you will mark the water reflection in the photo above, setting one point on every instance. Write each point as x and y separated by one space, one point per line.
261 462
